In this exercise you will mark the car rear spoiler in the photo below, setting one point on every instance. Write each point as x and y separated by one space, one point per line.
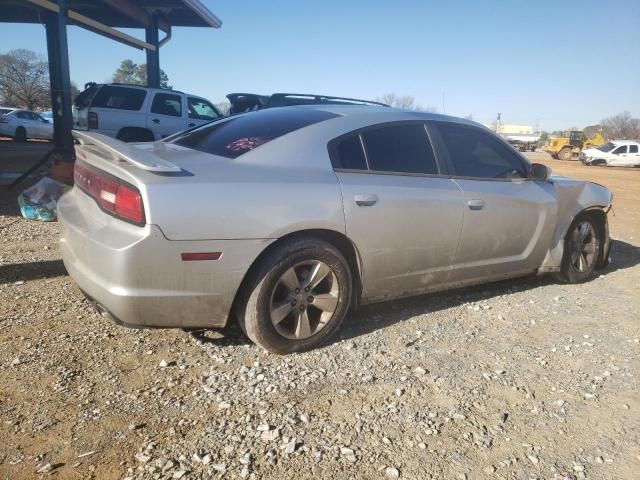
117 149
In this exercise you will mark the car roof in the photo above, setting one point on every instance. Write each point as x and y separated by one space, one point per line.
372 110
624 142
141 87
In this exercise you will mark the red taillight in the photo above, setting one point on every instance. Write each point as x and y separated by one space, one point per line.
129 204
93 120
112 195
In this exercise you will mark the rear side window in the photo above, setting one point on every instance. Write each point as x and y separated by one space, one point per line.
167 104
237 135
403 148
348 153
476 154
122 98
633 148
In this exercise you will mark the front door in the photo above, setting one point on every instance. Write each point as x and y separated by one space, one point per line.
506 215
403 217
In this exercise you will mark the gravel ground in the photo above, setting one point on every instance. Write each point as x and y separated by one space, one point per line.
521 380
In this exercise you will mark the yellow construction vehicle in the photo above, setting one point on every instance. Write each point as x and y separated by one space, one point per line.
568 148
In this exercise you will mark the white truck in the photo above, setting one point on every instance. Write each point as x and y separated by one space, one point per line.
523 141
135 113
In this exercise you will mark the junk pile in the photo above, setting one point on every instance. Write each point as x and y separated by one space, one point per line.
39 201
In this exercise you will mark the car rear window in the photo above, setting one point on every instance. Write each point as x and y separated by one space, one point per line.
122 98
4 111
237 135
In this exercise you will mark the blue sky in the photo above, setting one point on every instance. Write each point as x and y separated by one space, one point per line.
562 63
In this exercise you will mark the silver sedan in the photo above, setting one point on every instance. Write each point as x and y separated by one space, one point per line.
284 219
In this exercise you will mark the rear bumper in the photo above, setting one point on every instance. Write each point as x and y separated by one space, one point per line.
138 276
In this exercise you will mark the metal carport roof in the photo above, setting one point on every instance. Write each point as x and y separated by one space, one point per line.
103 17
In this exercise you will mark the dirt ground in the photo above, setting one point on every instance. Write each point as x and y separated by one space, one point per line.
526 379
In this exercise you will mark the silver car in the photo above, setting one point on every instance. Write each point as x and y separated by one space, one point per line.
286 218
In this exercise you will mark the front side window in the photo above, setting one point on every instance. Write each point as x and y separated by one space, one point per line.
122 98
401 148
633 148
475 153
234 136
167 104
620 150
200 109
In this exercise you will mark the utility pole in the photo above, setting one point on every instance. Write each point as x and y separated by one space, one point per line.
443 111
498 124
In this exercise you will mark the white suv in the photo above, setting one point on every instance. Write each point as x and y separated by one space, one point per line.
135 113
616 153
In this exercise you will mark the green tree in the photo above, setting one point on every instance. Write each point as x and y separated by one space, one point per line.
132 73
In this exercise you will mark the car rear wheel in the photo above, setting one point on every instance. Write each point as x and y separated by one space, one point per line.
297 298
581 249
21 134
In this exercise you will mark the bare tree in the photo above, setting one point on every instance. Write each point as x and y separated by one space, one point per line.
24 80
406 102
621 126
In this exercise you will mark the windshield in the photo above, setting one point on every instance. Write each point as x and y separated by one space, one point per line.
607 147
233 136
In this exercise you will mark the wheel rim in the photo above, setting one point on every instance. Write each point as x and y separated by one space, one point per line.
304 300
584 246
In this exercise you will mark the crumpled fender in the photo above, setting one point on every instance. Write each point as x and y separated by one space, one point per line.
574 197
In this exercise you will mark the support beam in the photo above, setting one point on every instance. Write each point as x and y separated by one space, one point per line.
153 56
60 82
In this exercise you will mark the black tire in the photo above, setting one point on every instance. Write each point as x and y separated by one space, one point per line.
135 135
254 307
569 271
565 154
21 134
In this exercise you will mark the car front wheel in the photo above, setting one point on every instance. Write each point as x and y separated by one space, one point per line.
298 296
581 249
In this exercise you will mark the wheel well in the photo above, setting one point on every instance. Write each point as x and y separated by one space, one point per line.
143 132
337 239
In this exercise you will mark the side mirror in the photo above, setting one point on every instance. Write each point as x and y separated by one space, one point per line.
539 172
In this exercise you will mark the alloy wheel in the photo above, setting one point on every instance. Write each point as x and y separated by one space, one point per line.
584 246
304 300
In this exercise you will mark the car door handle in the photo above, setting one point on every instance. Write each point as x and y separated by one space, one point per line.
191 125
476 204
366 200
155 120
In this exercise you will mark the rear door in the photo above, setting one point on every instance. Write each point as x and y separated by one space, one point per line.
166 114
634 155
200 111
507 217
404 218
